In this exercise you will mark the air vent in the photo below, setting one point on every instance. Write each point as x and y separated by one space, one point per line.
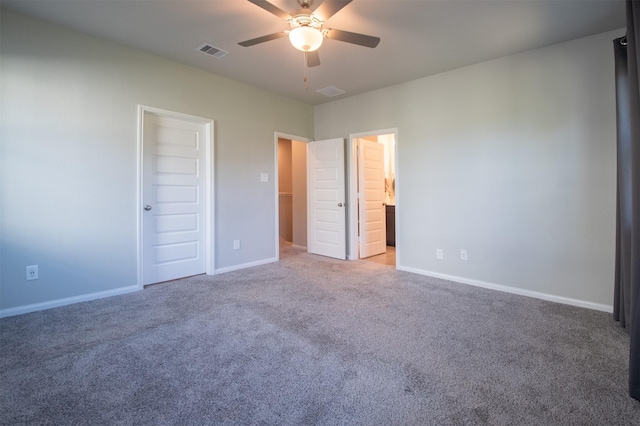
331 91
212 51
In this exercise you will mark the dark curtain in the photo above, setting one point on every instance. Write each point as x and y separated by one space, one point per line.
627 278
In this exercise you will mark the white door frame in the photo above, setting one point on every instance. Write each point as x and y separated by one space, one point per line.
281 135
209 202
352 161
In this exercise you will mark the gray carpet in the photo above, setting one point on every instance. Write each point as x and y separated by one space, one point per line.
311 340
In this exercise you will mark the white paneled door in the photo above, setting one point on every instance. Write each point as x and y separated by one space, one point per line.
371 206
173 196
326 198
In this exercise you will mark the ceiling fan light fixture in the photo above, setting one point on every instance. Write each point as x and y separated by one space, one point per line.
306 38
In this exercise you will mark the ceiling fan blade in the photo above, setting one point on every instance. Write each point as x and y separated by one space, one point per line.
275 10
353 38
262 39
328 8
313 59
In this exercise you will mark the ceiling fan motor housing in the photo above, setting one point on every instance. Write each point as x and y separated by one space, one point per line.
305 4
304 18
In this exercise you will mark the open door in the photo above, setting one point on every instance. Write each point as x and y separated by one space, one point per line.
387 138
326 197
371 206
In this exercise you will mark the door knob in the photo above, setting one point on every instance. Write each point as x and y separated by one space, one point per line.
147 207
339 204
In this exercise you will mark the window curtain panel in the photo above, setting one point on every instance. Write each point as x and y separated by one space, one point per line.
626 307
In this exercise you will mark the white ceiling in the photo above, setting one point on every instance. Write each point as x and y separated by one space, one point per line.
419 37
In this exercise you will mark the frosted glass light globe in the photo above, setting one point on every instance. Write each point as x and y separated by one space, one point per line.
306 39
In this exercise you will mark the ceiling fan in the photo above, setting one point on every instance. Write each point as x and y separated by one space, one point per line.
307 32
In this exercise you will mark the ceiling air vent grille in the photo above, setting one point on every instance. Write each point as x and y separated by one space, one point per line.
212 51
331 91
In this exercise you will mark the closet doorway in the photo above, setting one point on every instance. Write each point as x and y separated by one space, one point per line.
291 194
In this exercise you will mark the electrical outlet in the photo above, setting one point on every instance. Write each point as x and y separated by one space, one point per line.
439 254
463 255
236 244
264 177
32 272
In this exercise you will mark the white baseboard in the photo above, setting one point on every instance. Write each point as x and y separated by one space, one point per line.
99 295
245 265
499 287
299 247
513 290
66 301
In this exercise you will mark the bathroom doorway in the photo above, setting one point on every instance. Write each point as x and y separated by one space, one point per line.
373 206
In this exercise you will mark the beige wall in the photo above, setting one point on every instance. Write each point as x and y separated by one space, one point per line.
285 190
513 160
284 166
69 160
292 178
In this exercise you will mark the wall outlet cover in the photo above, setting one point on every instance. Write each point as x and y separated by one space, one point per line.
32 272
